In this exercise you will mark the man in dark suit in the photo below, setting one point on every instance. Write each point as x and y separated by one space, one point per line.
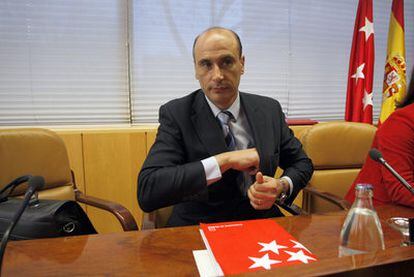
217 149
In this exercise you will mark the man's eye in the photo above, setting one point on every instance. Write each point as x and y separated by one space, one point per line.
228 62
205 64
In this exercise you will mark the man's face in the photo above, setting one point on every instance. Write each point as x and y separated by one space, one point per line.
218 66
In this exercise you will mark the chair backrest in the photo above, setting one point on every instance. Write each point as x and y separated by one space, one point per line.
36 151
338 151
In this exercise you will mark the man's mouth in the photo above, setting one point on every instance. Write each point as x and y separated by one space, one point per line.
219 87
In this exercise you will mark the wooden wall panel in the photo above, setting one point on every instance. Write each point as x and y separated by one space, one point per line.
150 139
112 161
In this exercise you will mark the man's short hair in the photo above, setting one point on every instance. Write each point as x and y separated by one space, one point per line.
219 28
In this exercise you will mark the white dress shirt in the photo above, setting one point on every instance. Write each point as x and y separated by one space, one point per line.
242 134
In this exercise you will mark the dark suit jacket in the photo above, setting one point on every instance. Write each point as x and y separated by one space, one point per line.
173 173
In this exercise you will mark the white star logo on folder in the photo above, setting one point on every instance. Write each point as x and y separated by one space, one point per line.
299 256
299 245
264 262
272 246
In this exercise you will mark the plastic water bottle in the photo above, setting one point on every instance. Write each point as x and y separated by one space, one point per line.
361 232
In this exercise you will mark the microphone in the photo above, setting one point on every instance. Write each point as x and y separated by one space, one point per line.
35 183
376 155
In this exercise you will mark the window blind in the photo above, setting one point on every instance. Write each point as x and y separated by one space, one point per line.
297 51
63 62
162 64
66 62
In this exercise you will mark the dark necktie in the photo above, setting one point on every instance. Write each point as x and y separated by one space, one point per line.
243 179
224 117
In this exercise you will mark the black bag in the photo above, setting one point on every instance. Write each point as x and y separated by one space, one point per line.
44 218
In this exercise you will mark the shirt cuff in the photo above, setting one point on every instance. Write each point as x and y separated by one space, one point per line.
212 170
287 178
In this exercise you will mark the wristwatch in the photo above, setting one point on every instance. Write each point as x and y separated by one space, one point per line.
283 195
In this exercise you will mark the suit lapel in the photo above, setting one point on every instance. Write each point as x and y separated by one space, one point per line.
257 122
206 126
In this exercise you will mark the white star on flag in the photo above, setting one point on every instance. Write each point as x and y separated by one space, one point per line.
272 246
264 262
368 29
299 245
359 74
367 100
299 256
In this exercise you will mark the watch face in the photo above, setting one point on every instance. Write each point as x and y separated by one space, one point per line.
281 198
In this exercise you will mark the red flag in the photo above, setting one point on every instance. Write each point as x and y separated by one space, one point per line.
361 67
251 245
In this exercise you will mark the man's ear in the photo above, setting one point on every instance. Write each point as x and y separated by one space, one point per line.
242 59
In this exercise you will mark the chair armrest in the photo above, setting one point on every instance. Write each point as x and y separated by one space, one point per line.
332 198
121 213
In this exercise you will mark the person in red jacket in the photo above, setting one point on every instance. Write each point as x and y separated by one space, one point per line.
395 140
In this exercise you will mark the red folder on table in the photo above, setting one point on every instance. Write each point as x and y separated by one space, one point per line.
251 245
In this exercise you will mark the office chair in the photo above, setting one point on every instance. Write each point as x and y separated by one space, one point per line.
37 151
338 151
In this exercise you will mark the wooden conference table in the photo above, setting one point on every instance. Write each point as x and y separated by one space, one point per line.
166 252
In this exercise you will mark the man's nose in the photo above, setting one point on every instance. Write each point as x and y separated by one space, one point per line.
217 73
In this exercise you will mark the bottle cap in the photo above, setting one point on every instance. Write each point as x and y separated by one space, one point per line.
363 187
